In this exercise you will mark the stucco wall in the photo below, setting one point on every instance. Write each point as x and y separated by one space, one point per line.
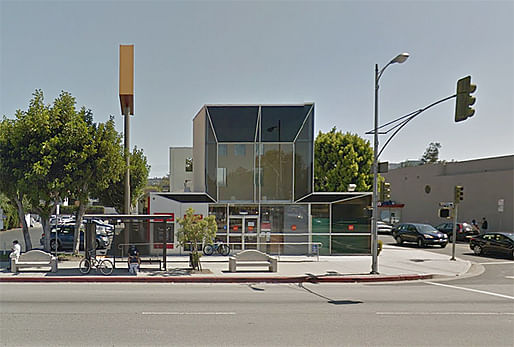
485 181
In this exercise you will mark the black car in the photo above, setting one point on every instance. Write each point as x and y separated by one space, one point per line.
498 243
465 231
422 234
65 238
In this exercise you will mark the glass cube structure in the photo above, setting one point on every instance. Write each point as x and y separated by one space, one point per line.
254 153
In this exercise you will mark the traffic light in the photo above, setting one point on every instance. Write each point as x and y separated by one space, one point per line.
459 194
445 213
464 101
387 191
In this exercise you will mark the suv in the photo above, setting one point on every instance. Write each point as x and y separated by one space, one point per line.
465 231
421 234
65 238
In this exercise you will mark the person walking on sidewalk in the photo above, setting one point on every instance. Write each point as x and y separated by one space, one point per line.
133 260
484 225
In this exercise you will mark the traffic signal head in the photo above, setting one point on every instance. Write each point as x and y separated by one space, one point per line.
464 101
387 191
445 212
459 194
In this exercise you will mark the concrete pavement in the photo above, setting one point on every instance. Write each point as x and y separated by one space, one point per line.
395 264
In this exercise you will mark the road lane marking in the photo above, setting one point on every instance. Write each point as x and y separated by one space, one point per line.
189 313
511 277
497 263
445 313
472 290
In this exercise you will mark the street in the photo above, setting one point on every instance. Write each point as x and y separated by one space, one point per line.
262 315
472 310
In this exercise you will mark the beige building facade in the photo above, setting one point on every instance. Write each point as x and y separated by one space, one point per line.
488 191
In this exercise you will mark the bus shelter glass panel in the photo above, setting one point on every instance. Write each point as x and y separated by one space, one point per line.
235 172
276 162
235 233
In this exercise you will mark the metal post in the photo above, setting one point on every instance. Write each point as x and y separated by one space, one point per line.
127 173
374 236
127 161
455 216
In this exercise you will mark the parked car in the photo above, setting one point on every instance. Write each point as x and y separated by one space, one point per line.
422 234
384 228
465 231
498 243
65 238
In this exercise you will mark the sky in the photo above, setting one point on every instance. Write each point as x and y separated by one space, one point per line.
191 53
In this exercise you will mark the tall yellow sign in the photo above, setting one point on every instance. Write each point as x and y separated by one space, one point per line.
127 79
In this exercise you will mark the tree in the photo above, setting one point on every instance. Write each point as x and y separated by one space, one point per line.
341 159
195 230
114 195
101 169
431 154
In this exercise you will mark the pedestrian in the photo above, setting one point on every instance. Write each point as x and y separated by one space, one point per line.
474 224
484 225
15 252
133 260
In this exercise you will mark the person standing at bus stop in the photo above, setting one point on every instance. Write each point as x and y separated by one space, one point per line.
133 260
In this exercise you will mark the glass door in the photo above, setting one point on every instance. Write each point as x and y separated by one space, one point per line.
250 233
235 233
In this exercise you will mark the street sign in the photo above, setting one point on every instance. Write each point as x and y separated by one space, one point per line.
501 205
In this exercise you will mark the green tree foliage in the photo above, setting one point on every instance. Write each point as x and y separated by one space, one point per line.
431 154
196 230
100 171
10 213
341 159
114 195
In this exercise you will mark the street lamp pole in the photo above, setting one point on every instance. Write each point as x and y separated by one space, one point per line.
400 58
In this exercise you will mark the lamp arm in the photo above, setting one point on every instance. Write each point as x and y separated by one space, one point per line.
409 117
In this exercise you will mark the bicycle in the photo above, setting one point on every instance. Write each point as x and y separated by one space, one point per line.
218 247
104 265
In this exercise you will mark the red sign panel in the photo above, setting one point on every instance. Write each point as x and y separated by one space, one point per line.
293 227
351 227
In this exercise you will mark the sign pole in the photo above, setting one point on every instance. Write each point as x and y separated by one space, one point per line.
455 215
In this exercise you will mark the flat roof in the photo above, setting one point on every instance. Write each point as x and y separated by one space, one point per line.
191 197
328 197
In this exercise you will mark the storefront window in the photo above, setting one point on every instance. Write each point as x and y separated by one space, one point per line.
220 211
351 216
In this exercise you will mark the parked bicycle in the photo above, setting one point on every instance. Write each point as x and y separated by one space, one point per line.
218 247
104 265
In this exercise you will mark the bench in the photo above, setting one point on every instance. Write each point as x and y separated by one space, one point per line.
34 258
149 261
252 257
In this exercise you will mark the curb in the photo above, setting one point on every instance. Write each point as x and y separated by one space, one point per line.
211 279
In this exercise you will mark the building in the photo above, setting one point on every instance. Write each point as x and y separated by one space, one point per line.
181 169
253 170
488 191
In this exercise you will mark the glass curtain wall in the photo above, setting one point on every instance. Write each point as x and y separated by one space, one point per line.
235 172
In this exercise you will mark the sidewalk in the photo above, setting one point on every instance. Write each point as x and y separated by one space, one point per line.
394 264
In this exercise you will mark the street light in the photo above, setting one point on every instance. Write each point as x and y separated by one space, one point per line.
400 58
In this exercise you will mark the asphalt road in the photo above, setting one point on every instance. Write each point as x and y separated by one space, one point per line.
405 314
